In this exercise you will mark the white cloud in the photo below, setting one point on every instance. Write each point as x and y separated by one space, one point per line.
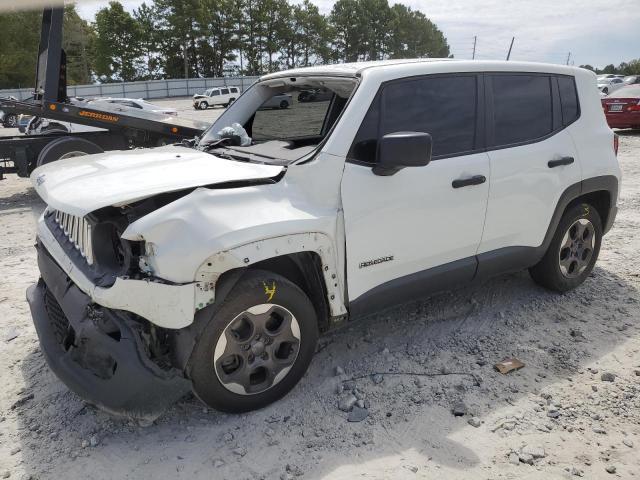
597 32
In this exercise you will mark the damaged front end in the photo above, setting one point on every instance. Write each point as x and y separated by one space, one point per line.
111 358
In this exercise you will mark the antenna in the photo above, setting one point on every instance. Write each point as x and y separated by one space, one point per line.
475 38
510 47
568 57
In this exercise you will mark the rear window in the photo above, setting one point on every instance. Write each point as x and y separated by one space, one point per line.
522 108
224 91
443 106
568 100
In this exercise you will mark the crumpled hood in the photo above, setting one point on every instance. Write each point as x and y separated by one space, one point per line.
81 185
199 96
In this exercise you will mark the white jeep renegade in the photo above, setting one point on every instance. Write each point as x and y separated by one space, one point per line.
214 266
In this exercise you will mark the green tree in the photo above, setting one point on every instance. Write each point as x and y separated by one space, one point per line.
149 42
79 41
117 46
178 29
218 22
19 37
413 35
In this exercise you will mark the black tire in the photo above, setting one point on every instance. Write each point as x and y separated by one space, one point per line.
284 104
253 290
231 100
549 271
64 146
203 105
11 120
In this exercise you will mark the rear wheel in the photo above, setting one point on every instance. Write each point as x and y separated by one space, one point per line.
573 250
231 100
284 104
66 147
256 347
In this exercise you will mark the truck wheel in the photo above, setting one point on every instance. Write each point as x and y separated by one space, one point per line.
573 250
11 121
66 147
203 105
256 347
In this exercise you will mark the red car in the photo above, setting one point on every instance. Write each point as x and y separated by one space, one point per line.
622 107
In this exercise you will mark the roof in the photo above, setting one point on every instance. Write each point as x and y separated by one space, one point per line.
354 69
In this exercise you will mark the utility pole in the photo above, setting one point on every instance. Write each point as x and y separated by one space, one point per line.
568 57
475 38
510 47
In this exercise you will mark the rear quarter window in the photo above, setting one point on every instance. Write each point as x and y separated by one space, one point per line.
568 100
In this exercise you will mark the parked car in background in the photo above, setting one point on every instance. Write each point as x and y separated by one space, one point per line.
45 126
133 104
7 119
622 107
315 95
282 101
608 85
216 96
631 80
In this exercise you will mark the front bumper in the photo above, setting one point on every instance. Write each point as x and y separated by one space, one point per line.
97 352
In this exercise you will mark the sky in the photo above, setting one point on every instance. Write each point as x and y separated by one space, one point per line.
595 32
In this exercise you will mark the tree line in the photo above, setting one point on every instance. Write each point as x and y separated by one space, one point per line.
625 68
206 38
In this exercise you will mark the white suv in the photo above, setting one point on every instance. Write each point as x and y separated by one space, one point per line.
216 96
214 267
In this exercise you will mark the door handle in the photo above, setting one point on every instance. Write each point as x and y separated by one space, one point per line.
559 162
466 182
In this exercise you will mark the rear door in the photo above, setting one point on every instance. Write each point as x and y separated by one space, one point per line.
399 227
533 158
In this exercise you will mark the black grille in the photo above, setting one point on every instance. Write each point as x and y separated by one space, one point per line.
62 329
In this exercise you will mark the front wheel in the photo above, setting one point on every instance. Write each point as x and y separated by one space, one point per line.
203 105
284 104
256 347
573 250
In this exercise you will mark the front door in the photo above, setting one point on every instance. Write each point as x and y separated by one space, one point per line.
419 229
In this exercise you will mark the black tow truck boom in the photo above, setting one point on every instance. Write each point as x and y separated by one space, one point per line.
119 128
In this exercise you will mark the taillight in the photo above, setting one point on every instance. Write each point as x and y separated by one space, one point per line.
615 143
634 108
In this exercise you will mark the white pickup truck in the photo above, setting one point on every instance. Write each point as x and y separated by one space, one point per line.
214 267
215 96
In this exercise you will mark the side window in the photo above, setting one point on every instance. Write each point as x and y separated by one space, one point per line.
234 90
444 106
522 108
215 93
224 91
568 100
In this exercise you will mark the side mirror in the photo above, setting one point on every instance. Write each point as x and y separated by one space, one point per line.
402 149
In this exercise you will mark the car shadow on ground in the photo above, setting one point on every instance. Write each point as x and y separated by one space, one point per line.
463 331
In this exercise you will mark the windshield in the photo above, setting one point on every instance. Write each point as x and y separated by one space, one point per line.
279 121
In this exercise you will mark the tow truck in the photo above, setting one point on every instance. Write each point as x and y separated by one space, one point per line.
120 130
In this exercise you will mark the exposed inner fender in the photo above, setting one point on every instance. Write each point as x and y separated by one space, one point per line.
245 255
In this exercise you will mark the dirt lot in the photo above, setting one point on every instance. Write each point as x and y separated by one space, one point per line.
557 417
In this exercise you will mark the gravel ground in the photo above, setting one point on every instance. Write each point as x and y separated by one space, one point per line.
573 410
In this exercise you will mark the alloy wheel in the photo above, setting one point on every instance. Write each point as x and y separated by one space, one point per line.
257 349
577 248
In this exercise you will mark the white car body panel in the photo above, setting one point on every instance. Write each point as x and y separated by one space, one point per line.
220 99
416 234
525 191
81 185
